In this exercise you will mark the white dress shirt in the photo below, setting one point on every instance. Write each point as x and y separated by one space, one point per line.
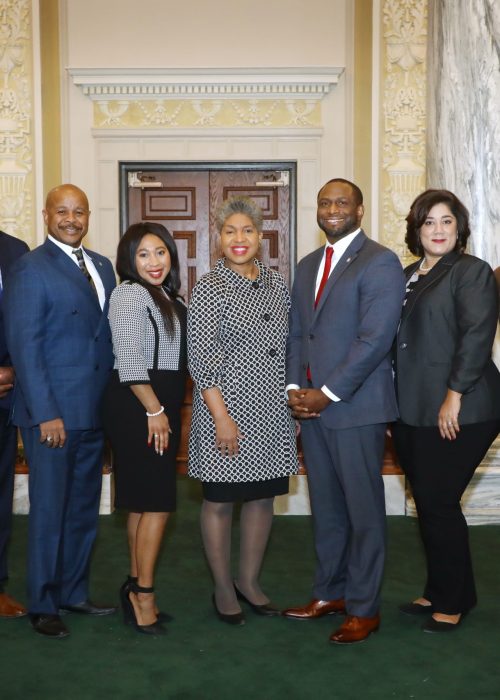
68 249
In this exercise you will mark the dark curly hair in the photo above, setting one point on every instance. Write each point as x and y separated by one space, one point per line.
127 269
419 211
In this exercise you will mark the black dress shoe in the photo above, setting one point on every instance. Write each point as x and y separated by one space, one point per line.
433 625
265 609
49 626
89 608
233 619
415 609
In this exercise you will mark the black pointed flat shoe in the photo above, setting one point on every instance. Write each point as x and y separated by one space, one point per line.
265 609
433 626
234 619
415 609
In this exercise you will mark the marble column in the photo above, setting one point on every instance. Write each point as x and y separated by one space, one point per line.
463 155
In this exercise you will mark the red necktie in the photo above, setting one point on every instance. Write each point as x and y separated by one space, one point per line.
326 274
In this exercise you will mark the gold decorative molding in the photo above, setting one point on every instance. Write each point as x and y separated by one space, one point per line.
16 119
403 93
206 114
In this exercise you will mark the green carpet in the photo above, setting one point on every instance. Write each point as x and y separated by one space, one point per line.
266 659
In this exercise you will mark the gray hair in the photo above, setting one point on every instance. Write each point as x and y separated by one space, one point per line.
239 205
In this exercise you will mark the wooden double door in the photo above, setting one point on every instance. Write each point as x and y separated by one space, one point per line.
185 202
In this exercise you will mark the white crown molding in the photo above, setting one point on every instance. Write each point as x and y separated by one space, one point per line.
250 83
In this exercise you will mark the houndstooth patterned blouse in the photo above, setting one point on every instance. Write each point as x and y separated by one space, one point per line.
237 332
135 319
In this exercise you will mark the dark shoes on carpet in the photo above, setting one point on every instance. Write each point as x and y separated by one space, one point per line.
434 626
155 629
315 609
415 609
265 609
87 607
50 626
162 617
231 619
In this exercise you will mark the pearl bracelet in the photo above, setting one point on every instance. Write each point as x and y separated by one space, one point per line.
152 415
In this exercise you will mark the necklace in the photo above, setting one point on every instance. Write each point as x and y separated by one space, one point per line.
425 269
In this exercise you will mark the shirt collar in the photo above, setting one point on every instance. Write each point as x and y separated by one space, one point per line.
343 244
68 249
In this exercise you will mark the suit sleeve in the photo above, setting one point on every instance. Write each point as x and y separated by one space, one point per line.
476 313
25 312
381 293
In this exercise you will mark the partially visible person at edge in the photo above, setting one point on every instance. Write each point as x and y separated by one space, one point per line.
242 443
58 336
142 405
10 249
448 391
346 303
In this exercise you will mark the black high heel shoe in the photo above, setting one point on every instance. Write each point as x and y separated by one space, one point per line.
266 609
125 603
234 619
155 628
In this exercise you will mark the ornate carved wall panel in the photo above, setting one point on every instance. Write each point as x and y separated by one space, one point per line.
403 115
16 120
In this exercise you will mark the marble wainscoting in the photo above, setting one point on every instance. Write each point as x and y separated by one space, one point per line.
296 502
481 500
21 502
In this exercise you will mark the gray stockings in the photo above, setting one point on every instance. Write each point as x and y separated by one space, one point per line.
255 525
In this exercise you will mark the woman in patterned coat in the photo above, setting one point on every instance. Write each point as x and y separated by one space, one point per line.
142 405
242 443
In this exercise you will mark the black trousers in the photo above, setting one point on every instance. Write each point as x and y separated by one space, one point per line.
439 471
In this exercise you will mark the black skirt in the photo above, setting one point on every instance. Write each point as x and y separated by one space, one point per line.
229 492
144 480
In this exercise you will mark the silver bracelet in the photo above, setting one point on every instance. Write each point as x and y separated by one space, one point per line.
152 415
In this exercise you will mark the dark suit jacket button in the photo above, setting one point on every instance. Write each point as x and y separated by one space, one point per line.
403 346
74 312
266 317
311 336
272 352
96 367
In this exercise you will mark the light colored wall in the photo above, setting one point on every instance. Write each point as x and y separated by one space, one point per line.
97 132
176 34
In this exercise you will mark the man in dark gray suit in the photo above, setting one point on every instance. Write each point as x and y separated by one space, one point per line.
346 305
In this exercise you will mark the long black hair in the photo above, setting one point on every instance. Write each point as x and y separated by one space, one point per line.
127 268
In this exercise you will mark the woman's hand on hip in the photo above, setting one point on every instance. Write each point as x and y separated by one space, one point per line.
448 415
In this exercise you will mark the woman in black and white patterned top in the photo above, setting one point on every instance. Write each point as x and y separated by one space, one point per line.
142 404
242 443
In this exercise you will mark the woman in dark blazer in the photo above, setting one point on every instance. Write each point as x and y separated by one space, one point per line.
449 395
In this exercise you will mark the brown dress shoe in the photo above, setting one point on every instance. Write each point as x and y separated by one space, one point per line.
316 608
10 607
355 629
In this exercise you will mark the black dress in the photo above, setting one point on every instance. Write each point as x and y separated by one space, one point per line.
144 480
